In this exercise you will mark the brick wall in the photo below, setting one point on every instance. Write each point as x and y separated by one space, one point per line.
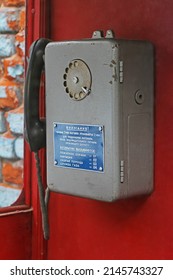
12 48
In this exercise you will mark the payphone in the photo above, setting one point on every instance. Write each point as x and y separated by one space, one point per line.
98 130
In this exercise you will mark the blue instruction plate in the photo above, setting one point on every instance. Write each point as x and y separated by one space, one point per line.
79 146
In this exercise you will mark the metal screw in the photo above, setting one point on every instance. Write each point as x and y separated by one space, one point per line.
100 128
55 162
100 168
75 80
55 125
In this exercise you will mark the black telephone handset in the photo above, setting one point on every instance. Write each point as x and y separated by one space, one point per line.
35 128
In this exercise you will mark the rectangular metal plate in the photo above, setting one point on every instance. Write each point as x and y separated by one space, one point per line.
79 146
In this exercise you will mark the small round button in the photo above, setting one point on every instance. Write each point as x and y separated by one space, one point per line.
139 97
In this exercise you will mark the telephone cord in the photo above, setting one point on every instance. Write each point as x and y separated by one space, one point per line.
43 198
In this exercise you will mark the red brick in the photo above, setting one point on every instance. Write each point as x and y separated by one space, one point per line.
12 52
13 24
1 69
15 3
11 186
8 135
9 19
20 43
14 67
13 172
22 19
12 97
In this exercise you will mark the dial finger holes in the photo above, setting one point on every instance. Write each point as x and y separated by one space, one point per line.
77 79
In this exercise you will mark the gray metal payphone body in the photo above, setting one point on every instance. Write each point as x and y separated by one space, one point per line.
99 117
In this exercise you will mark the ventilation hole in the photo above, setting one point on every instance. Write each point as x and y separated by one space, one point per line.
65 84
66 70
65 76
67 89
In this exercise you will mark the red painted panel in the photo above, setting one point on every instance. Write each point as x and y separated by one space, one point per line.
37 25
140 228
15 232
